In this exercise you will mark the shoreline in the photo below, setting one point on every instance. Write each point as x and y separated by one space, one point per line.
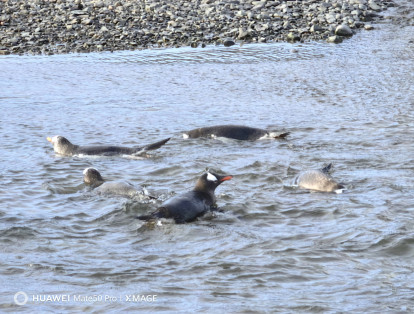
49 27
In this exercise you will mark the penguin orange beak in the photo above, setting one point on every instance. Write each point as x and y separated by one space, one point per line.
226 178
49 139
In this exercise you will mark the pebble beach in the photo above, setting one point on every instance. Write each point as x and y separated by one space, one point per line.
57 26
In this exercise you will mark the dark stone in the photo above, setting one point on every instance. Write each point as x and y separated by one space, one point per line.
228 42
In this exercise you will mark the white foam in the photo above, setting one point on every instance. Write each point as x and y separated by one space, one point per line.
134 157
185 136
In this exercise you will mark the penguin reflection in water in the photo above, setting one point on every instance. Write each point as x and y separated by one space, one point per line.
188 206
93 178
319 180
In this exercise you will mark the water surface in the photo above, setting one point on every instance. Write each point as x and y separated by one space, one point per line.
274 248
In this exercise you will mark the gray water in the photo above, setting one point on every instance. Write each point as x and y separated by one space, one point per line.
274 248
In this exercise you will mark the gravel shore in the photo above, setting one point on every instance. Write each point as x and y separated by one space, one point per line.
64 26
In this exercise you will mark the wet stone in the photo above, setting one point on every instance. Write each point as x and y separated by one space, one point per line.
228 42
343 30
335 39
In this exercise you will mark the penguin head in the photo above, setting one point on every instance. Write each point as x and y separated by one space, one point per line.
61 145
209 181
92 177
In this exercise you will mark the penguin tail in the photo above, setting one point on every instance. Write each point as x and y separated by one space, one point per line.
153 146
281 135
161 212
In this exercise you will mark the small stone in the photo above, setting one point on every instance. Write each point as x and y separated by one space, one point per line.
368 27
316 29
292 37
343 30
330 18
244 33
228 42
209 11
374 6
98 4
335 39
287 25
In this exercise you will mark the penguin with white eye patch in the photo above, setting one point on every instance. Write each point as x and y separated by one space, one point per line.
188 206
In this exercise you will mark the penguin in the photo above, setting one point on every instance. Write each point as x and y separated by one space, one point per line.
63 146
93 178
319 180
237 132
190 205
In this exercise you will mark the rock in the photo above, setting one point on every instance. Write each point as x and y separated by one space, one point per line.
87 21
244 33
292 37
335 39
98 4
228 42
343 30
368 27
330 18
316 29
374 6
286 25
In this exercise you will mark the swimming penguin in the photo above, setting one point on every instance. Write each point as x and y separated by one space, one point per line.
237 132
188 206
62 146
319 180
93 178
